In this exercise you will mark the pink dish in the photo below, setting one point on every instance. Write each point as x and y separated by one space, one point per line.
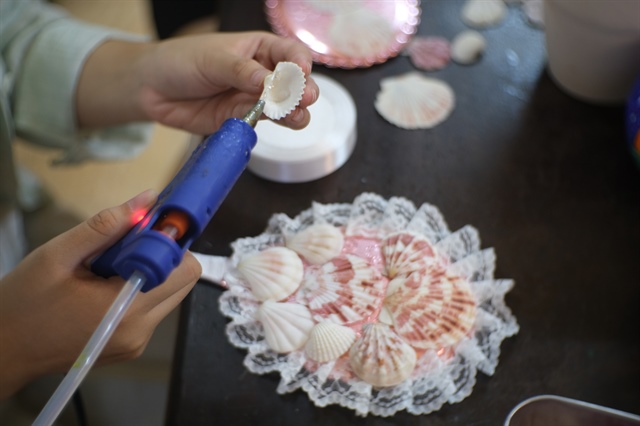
397 22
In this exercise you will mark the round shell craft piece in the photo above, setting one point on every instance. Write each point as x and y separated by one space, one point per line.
413 101
283 90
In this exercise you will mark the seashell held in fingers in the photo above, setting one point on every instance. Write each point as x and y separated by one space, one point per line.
412 101
286 325
318 243
380 357
283 90
483 13
272 274
468 47
329 341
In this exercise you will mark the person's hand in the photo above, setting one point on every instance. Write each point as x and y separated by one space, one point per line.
193 83
51 304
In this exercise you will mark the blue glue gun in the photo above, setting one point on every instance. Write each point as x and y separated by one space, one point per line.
156 245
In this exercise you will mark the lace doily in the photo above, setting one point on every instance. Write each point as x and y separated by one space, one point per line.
440 376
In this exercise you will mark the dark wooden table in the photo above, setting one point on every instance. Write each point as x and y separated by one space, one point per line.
547 180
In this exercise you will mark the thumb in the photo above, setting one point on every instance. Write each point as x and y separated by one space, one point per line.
104 229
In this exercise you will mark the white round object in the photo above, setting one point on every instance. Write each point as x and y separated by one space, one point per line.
285 155
468 47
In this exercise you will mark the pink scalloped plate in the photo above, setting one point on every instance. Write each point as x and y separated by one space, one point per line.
336 46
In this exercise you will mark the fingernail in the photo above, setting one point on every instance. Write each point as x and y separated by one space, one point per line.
143 200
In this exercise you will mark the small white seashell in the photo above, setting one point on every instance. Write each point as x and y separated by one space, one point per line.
286 325
380 357
534 11
318 243
413 101
467 47
483 13
283 90
329 341
272 274
361 33
385 316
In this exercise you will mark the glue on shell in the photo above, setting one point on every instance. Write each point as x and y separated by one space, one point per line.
283 90
413 101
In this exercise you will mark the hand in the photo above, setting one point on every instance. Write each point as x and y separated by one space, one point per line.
193 83
51 304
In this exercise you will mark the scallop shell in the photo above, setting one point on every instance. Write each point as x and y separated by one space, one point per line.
286 325
429 53
344 290
412 101
483 13
467 47
380 357
283 90
432 311
360 33
272 274
318 243
406 252
329 341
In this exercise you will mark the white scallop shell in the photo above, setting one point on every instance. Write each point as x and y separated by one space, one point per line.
380 357
432 311
360 33
413 101
329 341
286 325
467 47
406 252
344 290
272 274
483 13
283 90
318 243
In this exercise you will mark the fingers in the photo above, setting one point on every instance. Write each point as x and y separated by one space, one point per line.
102 230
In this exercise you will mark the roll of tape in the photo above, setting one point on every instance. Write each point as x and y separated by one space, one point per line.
285 155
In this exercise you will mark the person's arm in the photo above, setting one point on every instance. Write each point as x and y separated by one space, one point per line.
52 303
193 83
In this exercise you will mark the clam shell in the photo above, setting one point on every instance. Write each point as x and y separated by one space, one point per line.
286 325
413 101
272 274
283 90
344 290
429 53
483 13
468 47
406 252
359 32
329 341
380 357
317 243
432 311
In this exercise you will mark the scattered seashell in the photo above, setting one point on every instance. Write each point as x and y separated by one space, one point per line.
432 311
380 357
360 33
283 90
272 274
406 252
344 290
429 53
318 243
412 101
286 325
468 47
483 13
329 341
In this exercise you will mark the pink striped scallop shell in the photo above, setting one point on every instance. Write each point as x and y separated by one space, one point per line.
432 311
406 252
345 290
429 53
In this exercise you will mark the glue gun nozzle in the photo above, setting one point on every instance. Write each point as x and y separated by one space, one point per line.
252 117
